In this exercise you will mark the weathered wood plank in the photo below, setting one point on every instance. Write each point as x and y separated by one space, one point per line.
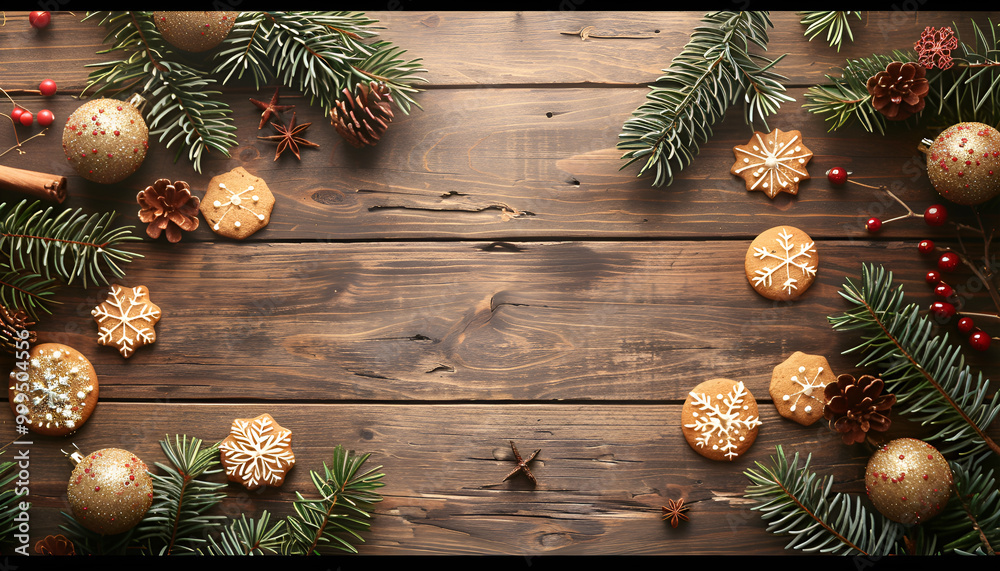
514 48
630 321
491 164
603 472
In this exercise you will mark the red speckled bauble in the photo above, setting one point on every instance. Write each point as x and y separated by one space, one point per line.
908 480
106 140
963 163
110 490
194 31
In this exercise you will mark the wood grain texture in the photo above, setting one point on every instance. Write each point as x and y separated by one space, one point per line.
488 273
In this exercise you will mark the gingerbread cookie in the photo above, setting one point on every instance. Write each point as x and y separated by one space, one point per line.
257 452
57 393
781 263
126 318
719 419
797 387
237 204
772 163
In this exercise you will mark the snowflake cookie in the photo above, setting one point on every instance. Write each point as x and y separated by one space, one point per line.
58 391
237 204
719 419
257 452
781 263
772 163
797 387
125 320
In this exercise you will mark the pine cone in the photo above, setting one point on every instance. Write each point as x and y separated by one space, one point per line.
899 91
168 206
854 407
12 323
361 119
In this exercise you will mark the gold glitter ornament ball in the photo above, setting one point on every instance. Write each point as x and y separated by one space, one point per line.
963 163
194 31
106 140
109 490
908 480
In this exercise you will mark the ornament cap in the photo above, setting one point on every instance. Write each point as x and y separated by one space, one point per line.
138 100
75 457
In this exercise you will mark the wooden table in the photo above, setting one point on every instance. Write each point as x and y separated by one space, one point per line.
488 274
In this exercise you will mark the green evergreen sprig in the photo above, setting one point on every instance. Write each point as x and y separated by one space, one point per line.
317 53
343 510
177 523
933 386
712 73
834 23
967 91
41 246
796 502
248 537
9 501
970 524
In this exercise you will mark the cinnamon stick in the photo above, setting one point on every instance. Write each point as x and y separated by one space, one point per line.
48 187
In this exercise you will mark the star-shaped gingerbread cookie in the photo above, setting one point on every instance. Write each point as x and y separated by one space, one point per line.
772 163
126 318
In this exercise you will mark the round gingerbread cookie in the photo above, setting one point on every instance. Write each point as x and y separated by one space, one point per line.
797 387
781 263
58 391
237 204
719 419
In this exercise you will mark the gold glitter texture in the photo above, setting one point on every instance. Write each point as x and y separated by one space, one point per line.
105 140
908 480
963 163
57 393
194 31
110 491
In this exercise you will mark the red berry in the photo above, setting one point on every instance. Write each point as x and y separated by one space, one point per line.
26 118
16 114
935 215
39 19
979 340
873 225
925 246
948 262
836 175
47 87
45 117
943 309
966 325
943 290
933 277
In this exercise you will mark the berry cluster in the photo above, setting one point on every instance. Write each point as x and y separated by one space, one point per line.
44 117
948 261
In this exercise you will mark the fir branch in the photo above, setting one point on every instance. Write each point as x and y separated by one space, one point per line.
176 522
342 511
795 502
316 53
248 537
9 501
713 71
26 291
834 23
932 384
971 522
87 542
968 91
69 245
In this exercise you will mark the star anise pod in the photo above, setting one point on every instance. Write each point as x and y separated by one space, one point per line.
674 512
168 206
855 406
289 138
899 91
12 323
269 108
522 464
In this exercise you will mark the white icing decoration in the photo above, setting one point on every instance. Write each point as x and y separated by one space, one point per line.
788 260
120 316
775 164
722 419
236 199
807 385
258 453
